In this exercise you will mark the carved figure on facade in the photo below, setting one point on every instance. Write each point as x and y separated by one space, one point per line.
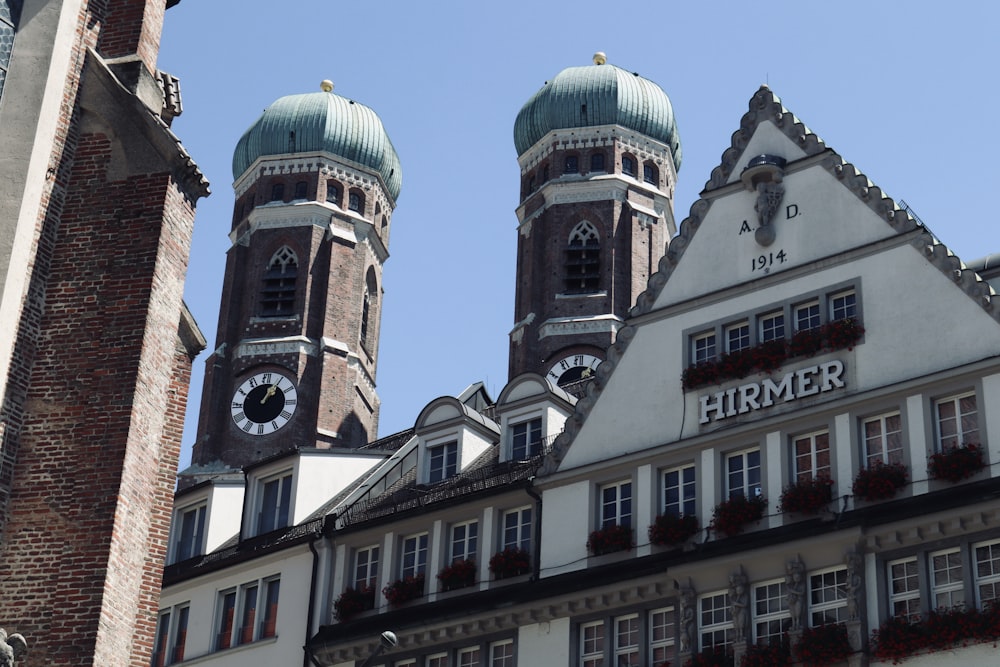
687 619
855 581
795 590
769 196
12 648
739 598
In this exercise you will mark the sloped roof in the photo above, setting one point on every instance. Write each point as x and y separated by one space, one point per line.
765 107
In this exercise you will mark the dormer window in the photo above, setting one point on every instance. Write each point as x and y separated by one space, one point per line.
278 293
443 462
274 499
526 439
190 538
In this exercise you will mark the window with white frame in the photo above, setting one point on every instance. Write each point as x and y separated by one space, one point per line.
254 605
526 439
772 327
715 627
516 528
413 561
592 644
743 474
443 462
883 438
661 635
189 540
626 649
807 316
828 597
502 653
409 662
771 617
986 558
811 455
464 538
679 497
957 421
703 347
438 660
366 568
947 582
904 588
274 499
468 657
616 505
171 635
843 305
737 337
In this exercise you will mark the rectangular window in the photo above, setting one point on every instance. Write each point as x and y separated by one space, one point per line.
883 436
597 162
572 165
627 641
468 657
249 613
738 337
180 634
771 618
743 474
811 454
661 636
987 562
463 541
904 589
772 327
269 626
517 529
226 622
947 582
679 491
275 498
526 439
957 421
592 644
616 505
191 534
843 305
807 316
414 556
716 627
502 653
160 651
366 568
438 660
703 347
443 462
828 597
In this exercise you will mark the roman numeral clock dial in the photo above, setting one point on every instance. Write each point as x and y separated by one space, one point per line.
264 403
572 368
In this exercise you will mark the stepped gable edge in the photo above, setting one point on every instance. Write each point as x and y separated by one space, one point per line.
766 106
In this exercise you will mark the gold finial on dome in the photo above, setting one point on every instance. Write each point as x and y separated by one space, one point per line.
326 86
600 58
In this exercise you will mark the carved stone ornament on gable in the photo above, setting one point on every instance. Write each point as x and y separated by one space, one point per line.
764 175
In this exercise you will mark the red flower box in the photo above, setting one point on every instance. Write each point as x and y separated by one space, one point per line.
510 562
880 481
956 463
777 654
824 645
460 574
609 540
669 530
352 602
712 657
807 496
899 638
403 590
731 516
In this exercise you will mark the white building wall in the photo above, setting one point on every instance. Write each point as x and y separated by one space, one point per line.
567 518
546 643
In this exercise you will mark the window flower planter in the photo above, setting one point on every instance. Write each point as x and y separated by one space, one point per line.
771 355
712 658
881 481
669 530
956 463
807 496
823 645
511 562
403 590
352 602
609 540
897 639
460 574
731 516
778 654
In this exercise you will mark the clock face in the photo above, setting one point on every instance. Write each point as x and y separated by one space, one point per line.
572 368
264 403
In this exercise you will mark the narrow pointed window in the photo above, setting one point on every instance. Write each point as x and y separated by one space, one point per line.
583 259
278 292
369 326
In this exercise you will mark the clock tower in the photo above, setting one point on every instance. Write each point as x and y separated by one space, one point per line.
599 152
316 182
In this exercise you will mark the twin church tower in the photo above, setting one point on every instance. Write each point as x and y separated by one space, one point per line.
316 182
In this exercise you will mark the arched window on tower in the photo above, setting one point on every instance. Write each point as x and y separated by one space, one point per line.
278 192
301 189
277 297
650 173
583 259
368 306
356 202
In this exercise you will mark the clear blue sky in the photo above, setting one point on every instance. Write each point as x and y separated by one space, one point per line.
908 92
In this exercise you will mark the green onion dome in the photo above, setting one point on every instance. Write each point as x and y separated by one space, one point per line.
321 122
598 94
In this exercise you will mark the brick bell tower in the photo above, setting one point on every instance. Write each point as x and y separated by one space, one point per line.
316 181
599 153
